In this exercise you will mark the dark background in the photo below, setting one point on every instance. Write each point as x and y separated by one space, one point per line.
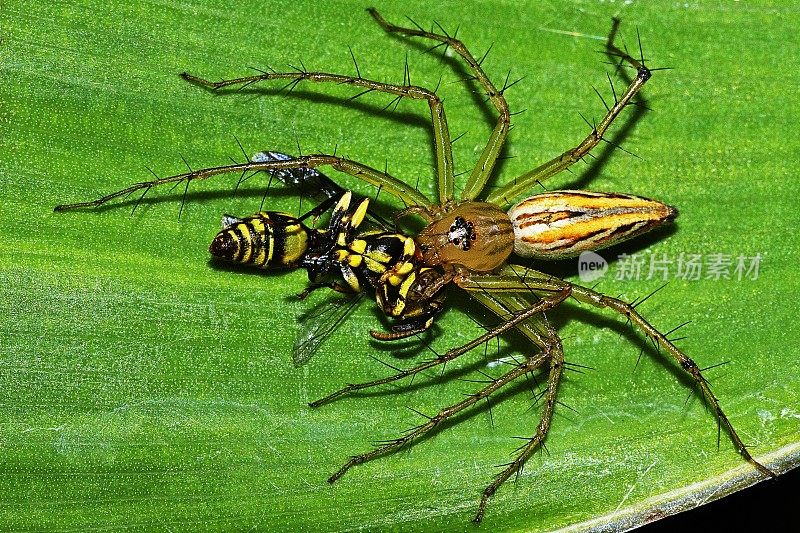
768 506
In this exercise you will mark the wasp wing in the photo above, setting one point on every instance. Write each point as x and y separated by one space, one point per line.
307 181
311 182
319 322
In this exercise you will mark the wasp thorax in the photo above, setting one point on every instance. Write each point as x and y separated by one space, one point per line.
265 240
561 224
474 234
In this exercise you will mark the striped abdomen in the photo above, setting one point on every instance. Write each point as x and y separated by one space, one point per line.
561 224
267 239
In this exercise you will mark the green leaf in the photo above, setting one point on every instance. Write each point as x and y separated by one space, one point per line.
144 387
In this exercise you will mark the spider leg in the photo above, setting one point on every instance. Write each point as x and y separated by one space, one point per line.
441 134
508 192
528 320
517 279
360 171
529 365
553 348
483 169
518 318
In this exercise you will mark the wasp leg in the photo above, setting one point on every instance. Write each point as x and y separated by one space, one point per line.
406 328
515 279
441 134
360 171
508 192
483 169
334 285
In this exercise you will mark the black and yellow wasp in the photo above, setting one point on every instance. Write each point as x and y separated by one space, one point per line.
340 256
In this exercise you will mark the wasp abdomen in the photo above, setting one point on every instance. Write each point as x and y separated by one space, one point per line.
561 224
266 240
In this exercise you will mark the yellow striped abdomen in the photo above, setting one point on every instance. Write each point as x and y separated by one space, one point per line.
561 224
266 240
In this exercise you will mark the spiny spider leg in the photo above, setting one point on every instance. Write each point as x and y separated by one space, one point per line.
516 279
530 364
384 181
554 350
441 134
506 194
509 322
483 168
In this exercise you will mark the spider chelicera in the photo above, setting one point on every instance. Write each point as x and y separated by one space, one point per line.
467 242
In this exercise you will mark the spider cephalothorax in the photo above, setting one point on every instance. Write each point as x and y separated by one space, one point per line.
468 243
476 235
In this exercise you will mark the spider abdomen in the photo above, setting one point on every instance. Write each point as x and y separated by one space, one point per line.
562 224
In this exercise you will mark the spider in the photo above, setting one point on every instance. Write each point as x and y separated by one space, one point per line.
468 242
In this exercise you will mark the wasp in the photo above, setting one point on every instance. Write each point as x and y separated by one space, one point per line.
472 242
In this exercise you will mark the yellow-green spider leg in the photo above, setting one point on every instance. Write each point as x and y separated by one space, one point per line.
483 168
442 144
506 194
384 181
516 279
